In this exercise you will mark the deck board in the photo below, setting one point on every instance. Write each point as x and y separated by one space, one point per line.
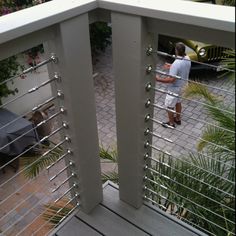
76 227
116 218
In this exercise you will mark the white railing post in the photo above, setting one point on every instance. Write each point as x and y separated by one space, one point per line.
72 47
130 40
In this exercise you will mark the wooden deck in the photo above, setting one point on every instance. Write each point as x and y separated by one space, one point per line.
116 218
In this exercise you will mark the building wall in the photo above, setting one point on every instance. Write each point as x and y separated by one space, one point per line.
31 80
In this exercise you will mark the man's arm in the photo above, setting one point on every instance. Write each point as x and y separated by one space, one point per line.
167 80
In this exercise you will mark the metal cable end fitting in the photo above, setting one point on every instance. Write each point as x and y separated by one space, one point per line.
57 77
62 109
68 140
147 144
60 94
71 163
148 103
149 69
148 86
147 117
149 50
147 131
54 58
146 156
69 151
65 124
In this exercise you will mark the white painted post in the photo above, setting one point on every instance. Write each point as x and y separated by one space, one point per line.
72 46
130 40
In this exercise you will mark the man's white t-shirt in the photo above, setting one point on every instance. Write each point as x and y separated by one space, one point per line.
179 68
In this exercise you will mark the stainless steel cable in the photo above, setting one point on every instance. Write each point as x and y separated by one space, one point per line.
203 154
38 218
62 110
192 190
190 100
183 219
212 87
28 182
66 192
24 200
56 77
191 81
147 144
64 181
158 204
192 202
30 69
70 201
199 138
27 113
192 118
160 53
61 171
73 209
59 159
207 171
198 180
46 137
22 216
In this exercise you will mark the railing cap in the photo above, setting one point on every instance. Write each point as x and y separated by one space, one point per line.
38 17
41 16
194 13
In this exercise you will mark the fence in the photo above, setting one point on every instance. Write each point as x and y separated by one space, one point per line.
135 26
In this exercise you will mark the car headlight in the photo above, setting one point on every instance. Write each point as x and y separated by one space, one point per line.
202 52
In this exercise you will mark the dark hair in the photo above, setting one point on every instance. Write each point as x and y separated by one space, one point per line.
180 49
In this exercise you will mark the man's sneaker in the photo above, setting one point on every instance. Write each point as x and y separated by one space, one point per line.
167 125
178 122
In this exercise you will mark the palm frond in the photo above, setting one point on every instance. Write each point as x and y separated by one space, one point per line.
108 154
182 188
33 165
229 62
224 119
55 212
218 138
112 176
192 90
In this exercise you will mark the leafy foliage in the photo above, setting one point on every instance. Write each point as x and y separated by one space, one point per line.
56 212
193 189
229 62
8 68
229 2
33 165
100 34
111 156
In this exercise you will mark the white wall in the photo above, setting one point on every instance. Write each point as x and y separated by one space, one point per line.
32 79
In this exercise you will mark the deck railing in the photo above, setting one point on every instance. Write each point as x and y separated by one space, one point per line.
63 29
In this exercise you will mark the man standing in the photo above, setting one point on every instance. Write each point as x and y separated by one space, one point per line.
181 68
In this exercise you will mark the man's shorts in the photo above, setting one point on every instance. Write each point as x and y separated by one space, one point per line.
171 101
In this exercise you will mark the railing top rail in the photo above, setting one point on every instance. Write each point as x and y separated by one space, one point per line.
28 20
47 14
194 13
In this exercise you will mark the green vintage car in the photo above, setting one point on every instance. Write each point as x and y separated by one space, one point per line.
197 51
